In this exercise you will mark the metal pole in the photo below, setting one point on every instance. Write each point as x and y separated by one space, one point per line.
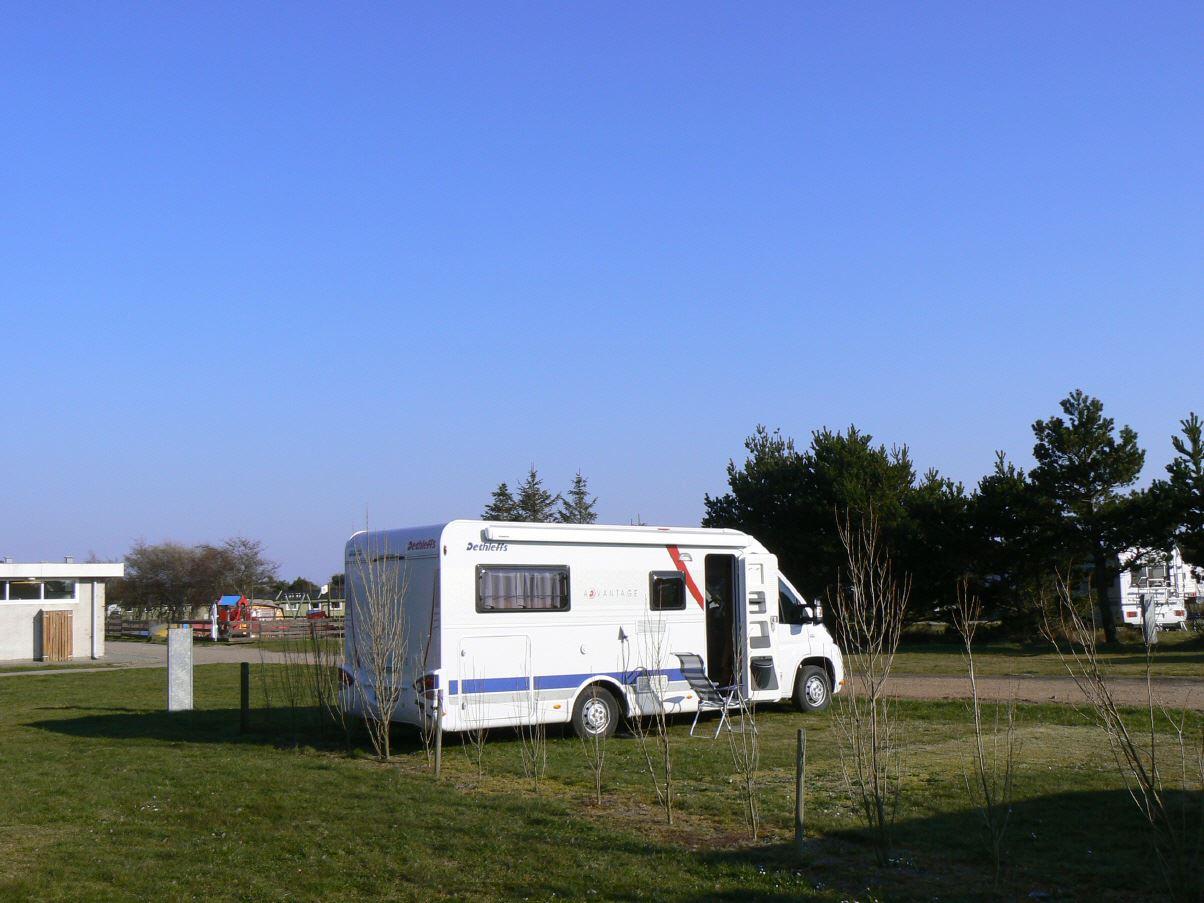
799 775
244 697
438 733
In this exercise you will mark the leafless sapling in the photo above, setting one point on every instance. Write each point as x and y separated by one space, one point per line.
990 781
869 604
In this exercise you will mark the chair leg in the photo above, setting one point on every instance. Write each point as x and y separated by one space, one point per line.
722 718
697 712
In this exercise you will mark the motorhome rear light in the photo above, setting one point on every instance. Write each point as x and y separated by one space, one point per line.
1180 614
427 683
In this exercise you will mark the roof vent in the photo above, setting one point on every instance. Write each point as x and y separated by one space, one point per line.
69 559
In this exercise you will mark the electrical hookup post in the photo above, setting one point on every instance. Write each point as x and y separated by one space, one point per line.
179 669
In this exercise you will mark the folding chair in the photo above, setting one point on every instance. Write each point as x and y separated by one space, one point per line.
710 697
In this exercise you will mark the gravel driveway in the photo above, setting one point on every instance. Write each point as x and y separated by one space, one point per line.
123 654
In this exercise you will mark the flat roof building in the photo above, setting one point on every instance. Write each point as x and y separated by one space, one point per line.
32 595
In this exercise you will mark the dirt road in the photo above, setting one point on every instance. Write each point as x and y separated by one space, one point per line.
124 654
1172 692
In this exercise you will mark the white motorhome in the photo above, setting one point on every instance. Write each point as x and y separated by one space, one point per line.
1163 584
509 623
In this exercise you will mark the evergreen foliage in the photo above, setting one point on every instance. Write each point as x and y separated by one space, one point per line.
1082 464
1183 492
576 507
1071 515
501 506
534 503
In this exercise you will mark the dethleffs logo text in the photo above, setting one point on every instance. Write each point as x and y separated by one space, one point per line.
487 547
418 545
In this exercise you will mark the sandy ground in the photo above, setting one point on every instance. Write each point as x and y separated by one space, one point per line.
120 654
1171 692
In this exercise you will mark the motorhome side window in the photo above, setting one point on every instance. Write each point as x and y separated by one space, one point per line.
667 591
533 588
792 609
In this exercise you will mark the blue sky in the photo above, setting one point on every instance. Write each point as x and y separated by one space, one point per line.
272 269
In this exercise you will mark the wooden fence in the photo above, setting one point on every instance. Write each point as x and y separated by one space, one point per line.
118 627
296 628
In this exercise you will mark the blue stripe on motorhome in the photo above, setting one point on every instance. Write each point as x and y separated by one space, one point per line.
494 684
551 681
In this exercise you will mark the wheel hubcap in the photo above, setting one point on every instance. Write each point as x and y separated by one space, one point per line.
596 716
815 690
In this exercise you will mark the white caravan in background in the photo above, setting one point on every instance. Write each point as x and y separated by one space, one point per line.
1163 585
513 623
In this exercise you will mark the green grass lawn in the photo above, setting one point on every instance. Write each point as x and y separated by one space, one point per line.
108 797
1176 655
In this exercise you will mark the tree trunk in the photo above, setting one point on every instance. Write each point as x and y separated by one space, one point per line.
1101 578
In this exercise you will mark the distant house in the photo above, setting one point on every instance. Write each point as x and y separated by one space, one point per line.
32 595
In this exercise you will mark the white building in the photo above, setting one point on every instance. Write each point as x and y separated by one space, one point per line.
27 590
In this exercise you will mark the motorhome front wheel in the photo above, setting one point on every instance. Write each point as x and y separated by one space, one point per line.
813 691
596 714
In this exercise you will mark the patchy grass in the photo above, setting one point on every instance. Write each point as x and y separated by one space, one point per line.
1177 654
107 796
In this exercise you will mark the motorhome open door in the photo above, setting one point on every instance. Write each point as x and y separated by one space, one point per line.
756 630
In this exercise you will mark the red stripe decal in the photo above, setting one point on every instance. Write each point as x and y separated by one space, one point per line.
681 566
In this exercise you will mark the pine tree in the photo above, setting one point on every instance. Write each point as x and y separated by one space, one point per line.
534 503
1187 489
502 506
577 507
1082 464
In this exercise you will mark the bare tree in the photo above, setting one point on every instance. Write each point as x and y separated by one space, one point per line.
1164 777
476 730
378 639
651 728
289 674
429 699
533 742
532 731
995 748
593 749
745 745
869 605
326 658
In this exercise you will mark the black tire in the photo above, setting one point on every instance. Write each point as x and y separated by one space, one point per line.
813 689
596 714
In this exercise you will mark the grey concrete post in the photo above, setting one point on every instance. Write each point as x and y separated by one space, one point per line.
179 669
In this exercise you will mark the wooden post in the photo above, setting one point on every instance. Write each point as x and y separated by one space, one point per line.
799 774
244 697
438 733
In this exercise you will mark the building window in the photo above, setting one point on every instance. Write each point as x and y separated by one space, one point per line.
667 591
24 590
534 588
37 590
58 589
